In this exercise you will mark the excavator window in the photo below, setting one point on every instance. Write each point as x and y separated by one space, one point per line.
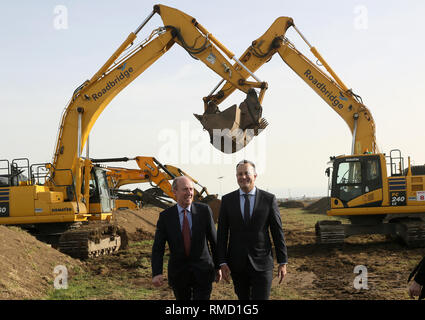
4 173
93 188
373 179
102 193
372 171
349 173
356 176
349 180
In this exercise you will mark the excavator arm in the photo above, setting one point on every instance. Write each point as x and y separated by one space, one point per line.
158 175
179 172
361 190
125 65
151 170
329 87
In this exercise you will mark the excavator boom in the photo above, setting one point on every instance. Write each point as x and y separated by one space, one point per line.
329 87
159 176
361 190
92 97
73 190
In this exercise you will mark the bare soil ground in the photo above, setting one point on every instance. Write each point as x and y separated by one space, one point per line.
320 206
138 222
291 204
314 272
27 265
319 272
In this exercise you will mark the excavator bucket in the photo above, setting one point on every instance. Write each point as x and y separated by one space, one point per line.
214 203
232 129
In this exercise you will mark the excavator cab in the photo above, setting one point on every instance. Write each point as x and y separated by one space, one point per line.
232 129
355 176
100 195
100 198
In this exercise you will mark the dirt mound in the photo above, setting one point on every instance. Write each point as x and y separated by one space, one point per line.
291 204
320 206
27 265
215 208
139 224
315 272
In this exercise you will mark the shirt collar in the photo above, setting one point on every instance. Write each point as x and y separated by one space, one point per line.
252 192
180 209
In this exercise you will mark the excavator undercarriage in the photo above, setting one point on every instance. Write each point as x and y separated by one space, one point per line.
81 240
93 239
410 230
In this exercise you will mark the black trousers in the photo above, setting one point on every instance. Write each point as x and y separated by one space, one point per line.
189 288
250 284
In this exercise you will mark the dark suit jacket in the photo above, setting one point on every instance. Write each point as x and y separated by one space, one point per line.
199 261
420 272
238 241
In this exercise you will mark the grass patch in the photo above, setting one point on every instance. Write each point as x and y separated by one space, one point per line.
123 276
314 272
87 286
303 217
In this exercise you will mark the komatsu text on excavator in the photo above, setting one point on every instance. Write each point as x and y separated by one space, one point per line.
55 198
377 192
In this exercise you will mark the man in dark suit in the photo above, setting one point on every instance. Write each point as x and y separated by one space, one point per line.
187 227
418 282
243 244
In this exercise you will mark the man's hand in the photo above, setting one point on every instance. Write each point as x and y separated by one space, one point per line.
218 275
158 280
281 272
225 271
414 289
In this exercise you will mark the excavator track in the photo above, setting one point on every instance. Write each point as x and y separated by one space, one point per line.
329 232
412 233
92 240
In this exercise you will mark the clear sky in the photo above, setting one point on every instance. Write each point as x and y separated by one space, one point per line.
376 48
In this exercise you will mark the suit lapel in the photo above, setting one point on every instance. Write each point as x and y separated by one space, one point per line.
195 226
258 195
237 201
176 225
176 220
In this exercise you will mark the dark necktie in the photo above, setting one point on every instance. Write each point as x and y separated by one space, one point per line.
246 208
186 233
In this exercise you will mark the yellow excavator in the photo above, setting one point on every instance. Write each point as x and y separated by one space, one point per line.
379 193
158 175
55 198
